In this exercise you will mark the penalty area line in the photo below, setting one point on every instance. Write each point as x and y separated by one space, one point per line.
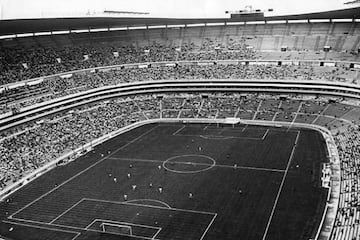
149 206
179 130
66 211
265 134
42 227
79 173
208 227
29 222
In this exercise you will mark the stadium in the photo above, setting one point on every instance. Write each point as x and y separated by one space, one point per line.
245 127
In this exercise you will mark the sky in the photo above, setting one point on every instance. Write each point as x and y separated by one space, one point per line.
160 8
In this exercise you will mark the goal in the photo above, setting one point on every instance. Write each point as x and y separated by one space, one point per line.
116 229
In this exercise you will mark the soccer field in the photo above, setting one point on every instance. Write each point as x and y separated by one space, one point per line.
179 181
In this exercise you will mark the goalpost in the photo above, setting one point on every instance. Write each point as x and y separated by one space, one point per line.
227 121
231 121
116 229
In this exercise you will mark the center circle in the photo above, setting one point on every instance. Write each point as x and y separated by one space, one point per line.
189 163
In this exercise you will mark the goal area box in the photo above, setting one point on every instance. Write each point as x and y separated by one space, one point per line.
116 228
124 228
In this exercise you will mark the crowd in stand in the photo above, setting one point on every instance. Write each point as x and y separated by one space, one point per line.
31 146
55 87
347 224
28 147
21 64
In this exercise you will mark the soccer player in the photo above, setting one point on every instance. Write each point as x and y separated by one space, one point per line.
190 195
160 189
159 167
125 197
133 187
150 185
115 180
129 175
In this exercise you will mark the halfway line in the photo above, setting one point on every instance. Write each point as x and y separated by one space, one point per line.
200 164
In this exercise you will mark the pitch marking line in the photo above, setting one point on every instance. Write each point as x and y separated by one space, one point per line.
79 173
265 134
223 137
216 137
217 165
207 166
254 168
157 207
66 226
179 130
206 126
245 127
281 186
66 211
157 233
208 227
41 227
158 229
149 200
150 206
125 223
237 129
91 223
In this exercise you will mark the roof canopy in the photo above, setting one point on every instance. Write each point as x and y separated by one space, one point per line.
19 26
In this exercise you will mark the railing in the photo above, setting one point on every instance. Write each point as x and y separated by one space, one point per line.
167 86
326 63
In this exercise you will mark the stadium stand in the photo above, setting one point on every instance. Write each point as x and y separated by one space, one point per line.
31 145
58 86
49 138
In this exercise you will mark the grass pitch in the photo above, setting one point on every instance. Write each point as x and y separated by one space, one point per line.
179 181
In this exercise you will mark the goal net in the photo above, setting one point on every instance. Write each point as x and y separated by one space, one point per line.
227 121
232 120
116 229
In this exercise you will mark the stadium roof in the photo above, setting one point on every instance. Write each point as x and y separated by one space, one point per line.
18 26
